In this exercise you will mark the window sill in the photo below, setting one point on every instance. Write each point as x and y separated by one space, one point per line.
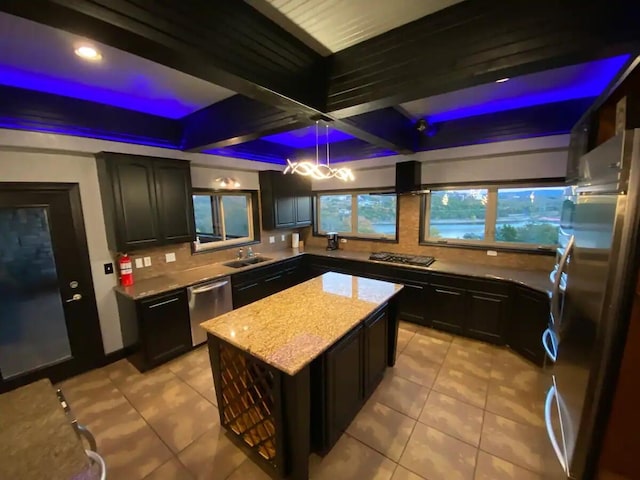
366 239
222 247
550 251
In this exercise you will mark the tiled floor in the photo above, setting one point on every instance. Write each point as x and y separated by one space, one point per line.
451 409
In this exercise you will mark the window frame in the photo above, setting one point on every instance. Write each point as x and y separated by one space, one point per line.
253 216
489 242
354 234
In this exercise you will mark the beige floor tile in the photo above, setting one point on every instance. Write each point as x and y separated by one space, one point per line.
200 378
180 426
401 395
403 339
469 360
162 392
427 348
213 456
475 345
122 371
518 443
518 405
349 459
408 326
494 468
382 429
171 470
435 455
402 473
248 471
419 371
513 371
462 385
432 332
453 417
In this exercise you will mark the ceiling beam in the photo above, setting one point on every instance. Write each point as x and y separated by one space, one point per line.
23 109
476 42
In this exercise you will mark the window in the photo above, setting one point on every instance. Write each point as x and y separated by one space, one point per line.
224 218
510 217
367 215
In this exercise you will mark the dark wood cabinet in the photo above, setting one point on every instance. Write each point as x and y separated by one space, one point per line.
375 348
344 396
257 283
527 324
285 200
446 308
146 201
174 199
155 328
412 303
487 317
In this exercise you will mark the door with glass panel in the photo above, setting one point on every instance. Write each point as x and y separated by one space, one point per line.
48 316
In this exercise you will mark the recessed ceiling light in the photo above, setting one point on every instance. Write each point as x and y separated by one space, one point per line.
502 80
88 53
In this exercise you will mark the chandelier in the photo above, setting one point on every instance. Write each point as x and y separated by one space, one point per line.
319 171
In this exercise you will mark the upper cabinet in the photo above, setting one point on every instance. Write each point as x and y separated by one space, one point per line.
286 200
146 201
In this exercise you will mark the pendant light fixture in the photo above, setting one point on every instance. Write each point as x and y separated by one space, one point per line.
319 171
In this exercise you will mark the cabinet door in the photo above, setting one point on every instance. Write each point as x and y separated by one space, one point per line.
375 334
175 207
488 315
303 211
164 327
527 324
246 293
285 212
134 203
344 363
411 303
446 308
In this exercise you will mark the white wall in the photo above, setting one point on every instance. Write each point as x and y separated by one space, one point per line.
542 157
23 166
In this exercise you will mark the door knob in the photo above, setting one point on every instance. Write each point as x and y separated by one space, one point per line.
75 298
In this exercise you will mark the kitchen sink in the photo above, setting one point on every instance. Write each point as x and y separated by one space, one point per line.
245 262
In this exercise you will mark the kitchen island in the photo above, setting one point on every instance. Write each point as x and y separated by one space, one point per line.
293 369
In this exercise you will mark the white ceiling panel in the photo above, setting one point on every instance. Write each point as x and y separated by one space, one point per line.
338 24
38 57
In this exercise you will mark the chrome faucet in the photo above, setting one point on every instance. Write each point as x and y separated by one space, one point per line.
250 253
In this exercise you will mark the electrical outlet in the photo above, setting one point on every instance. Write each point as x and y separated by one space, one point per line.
170 257
147 261
492 253
343 240
139 263
108 268
272 239
283 237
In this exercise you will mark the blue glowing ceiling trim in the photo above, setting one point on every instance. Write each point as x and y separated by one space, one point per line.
12 124
595 78
306 137
148 101
255 156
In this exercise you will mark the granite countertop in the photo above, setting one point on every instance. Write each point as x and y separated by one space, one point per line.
291 328
37 439
536 279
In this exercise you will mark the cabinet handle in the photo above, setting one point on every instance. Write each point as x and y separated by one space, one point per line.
246 287
448 292
164 303
551 394
271 279
549 345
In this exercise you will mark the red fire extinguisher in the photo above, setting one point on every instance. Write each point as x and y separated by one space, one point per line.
126 270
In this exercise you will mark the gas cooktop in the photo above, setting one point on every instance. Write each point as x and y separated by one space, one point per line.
416 260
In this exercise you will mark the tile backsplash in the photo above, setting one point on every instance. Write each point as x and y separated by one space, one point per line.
185 259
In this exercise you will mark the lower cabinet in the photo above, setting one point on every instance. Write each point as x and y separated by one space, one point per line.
247 287
527 324
446 308
157 328
488 316
376 345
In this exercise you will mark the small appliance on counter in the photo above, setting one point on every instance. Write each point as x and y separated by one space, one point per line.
332 241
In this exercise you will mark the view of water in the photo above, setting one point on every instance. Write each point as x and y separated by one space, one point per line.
449 230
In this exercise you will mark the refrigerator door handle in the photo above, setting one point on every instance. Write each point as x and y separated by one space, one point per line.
548 404
555 293
549 344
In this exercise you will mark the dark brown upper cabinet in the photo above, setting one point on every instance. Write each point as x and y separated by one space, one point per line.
286 200
146 201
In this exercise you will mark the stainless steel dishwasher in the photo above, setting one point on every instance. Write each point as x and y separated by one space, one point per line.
207 300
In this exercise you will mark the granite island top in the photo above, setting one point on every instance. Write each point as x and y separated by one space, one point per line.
291 328
37 439
536 279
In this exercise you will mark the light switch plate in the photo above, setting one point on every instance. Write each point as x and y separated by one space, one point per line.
170 257
283 237
147 261
343 240
139 263
272 239
492 253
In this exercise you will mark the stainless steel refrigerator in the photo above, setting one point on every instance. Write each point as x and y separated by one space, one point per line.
590 306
